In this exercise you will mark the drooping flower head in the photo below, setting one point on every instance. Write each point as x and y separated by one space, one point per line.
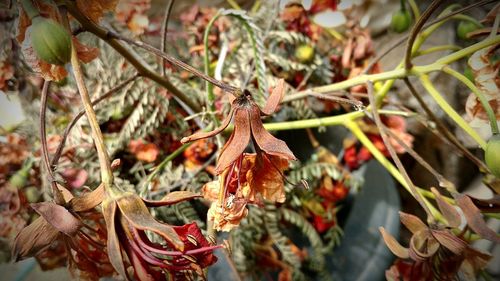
243 177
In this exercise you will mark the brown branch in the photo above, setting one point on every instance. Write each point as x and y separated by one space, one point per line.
77 117
416 30
143 68
164 30
392 152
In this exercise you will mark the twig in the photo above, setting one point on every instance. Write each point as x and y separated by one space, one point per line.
77 117
143 68
416 29
164 30
392 152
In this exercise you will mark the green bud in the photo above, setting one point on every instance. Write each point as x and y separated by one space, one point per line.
51 42
464 27
401 21
492 155
304 53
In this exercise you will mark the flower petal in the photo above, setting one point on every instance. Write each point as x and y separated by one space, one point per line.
34 238
450 241
393 244
266 177
172 198
137 214
275 98
422 245
203 135
265 141
413 223
58 216
449 212
88 200
238 141
113 244
474 218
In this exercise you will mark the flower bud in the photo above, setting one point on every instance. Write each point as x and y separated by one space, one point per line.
492 155
304 53
51 42
464 27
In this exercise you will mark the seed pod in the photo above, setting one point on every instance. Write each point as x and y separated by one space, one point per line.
51 42
401 21
492 155
304 53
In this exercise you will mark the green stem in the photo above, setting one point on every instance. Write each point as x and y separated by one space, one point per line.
358 133
414 9
482 99
209 87
424 79
437 49
30 9
167 159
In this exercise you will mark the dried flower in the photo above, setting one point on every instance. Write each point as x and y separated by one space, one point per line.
129 223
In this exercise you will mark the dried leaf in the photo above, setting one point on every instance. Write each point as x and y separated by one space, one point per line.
449 212
423 245
450 241
475 219
218 130
88 200
95 9
113 243
394 245
85 53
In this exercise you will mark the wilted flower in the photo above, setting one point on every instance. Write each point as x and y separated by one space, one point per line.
132 230
245 177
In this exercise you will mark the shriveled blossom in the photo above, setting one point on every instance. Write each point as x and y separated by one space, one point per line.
435 251
182 250
247 178
76 227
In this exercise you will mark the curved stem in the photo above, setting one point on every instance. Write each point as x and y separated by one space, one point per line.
164 30
424 79
104 162
414 9
482 99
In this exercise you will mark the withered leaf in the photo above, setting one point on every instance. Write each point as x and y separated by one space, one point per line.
58 216
413 223
394 245
33 239
475 219
88 200
172 198
449 212
275 98
113 244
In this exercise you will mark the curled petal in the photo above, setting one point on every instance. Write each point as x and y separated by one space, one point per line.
137 214
204 135
58 217
449 212
275 98
238 141
413 223
34 238
394 245
475 219
450 241
172 198
113 243
423 245
88 200
265 141
266 177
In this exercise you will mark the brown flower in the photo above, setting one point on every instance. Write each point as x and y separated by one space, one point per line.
80 232
183 248
246 178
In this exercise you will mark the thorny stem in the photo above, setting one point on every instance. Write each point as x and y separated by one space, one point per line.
77 117
416 29
143 68
482 99
104 162
393 154
424 79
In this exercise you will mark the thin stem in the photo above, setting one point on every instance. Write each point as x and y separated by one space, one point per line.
206 62
164 30
437 49
104 162
358 133
393 154
414 9
424 79
77 117
142 67
167 159
416 29
482 99
443 131
30 9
